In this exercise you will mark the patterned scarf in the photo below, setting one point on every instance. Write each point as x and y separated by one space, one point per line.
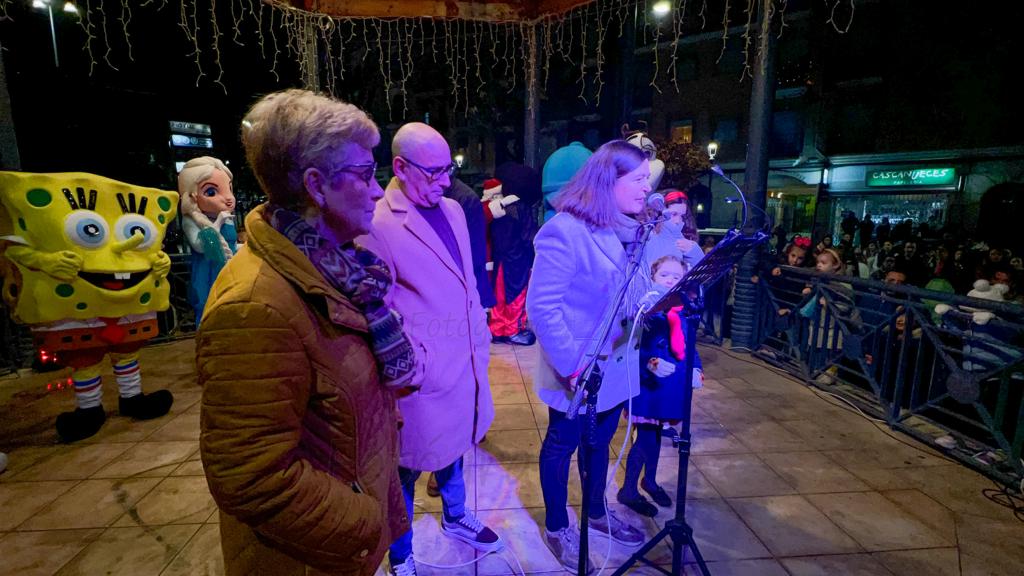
364 279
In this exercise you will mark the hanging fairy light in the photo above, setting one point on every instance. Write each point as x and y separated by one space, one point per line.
520 51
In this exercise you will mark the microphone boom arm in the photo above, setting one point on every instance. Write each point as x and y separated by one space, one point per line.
742 198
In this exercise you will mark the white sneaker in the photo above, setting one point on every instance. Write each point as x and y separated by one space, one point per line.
617 529
565 545
407 568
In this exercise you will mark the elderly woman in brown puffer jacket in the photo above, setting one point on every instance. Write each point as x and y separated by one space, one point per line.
300 359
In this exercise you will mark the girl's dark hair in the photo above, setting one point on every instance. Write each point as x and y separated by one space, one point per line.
690 231
789 247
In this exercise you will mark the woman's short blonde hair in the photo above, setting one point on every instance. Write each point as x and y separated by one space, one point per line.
590 196
286 132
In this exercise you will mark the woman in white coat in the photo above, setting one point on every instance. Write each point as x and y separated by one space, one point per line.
581 257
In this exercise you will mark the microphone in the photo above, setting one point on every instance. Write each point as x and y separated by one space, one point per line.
656 202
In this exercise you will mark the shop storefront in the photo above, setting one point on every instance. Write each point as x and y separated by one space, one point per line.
920 193
973 192
791 206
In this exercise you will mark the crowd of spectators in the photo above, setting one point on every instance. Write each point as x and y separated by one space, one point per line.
921 256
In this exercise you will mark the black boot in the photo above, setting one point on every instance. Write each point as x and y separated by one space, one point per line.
523 338
146 406
80 424
637 503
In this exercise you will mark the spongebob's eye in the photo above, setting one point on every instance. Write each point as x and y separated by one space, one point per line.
132 224
86 228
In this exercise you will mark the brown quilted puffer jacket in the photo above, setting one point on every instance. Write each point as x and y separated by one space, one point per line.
299 440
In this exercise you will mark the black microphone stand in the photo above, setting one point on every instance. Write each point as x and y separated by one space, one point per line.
689 293
677 528
589 385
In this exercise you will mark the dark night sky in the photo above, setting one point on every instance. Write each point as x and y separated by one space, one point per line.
947 79
115 122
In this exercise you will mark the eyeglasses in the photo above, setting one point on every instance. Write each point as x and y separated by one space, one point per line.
433 174
364 172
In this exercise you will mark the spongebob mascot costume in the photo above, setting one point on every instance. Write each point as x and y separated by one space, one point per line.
83 267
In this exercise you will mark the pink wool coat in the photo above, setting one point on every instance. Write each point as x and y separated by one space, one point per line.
442 316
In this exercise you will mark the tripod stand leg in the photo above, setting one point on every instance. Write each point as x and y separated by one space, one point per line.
642 552
677 528
696 552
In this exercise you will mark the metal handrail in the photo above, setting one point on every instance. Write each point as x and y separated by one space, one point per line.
956 378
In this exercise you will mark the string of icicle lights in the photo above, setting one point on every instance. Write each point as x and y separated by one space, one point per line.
326 48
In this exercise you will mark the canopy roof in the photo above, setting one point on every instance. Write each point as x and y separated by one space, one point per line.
492 10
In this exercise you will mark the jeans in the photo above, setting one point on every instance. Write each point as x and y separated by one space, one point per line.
562 439
452 486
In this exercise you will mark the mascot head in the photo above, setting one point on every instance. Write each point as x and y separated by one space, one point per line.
117 229
640 139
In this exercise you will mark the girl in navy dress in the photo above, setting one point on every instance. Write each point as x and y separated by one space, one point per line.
662 357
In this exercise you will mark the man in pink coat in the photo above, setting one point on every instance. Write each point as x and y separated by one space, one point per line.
423 238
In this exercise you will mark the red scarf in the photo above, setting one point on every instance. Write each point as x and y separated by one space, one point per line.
676 337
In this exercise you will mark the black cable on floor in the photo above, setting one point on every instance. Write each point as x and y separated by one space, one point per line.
1006 498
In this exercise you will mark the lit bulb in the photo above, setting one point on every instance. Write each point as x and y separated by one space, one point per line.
38 4
661 8
70 7
459 159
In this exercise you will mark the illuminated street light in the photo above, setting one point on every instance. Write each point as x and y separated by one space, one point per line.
712 150
69 7
459 159
661 8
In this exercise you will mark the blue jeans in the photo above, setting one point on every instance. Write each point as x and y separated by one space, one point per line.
453 500
562 439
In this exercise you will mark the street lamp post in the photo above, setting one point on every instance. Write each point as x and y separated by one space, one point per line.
69 7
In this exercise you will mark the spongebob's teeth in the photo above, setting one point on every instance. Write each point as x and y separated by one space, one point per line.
122 275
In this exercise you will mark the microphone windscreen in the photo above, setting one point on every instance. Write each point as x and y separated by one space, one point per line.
656 202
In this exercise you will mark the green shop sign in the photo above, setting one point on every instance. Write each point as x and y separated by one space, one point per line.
912 177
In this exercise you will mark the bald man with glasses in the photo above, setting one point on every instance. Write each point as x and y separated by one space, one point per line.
424 239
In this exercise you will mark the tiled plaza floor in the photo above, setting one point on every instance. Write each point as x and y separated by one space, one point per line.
782 481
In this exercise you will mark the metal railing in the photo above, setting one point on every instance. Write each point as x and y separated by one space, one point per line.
714 322
946 369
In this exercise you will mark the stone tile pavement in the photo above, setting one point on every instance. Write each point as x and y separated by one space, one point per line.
782 481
